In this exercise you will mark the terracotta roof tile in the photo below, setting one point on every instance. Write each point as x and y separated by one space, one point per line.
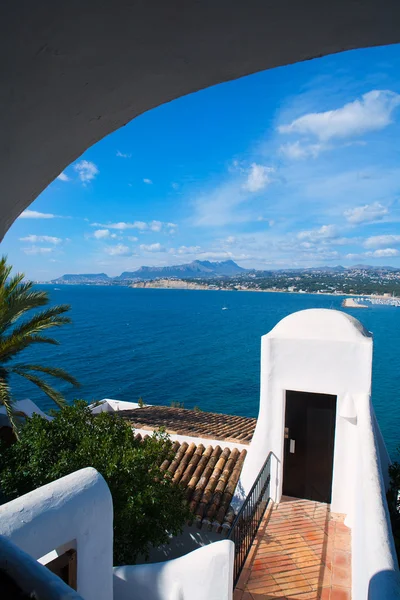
210 476
194 423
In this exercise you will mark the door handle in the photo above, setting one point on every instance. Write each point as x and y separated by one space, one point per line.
292 446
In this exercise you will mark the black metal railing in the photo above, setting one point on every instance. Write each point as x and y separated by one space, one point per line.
247 522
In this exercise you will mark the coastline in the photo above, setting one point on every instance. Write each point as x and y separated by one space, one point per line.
203 287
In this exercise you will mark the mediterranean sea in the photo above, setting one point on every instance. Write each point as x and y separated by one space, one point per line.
200 348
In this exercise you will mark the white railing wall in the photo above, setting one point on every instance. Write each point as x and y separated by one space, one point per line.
75 509
205 574
375 574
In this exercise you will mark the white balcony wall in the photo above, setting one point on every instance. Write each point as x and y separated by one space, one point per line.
205 574
330 352
75 509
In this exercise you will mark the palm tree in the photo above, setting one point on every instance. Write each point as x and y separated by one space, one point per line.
17 298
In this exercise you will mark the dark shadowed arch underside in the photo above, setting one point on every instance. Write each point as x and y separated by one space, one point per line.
73 72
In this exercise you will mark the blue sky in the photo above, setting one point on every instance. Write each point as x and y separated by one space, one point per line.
298 166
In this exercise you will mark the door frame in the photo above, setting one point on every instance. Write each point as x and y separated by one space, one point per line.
284 390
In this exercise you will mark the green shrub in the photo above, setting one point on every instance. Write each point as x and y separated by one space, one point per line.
147 505
176 404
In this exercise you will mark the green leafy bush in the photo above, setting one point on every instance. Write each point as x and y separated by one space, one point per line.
147 505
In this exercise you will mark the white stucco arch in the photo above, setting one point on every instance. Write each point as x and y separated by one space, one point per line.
320 351
73 72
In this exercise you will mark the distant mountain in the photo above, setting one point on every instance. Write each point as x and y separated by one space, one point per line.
83 278
205 268
197 268
326 269
371 268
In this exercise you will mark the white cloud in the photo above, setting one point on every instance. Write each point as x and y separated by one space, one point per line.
122 225
152 247
101 234
270 222
323 233
172 228
63 177
47 239
298 151
156 225
148 181
376 241
371 112
353 256
132 238
383 252
366 214
175 186
258 177
86 170
186 250
122 155
231 239
118 250
34 214
37 250
219 255
229 202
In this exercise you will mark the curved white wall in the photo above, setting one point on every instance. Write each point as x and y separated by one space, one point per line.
77 511
374 563
321 351
205 574
76 508
329 352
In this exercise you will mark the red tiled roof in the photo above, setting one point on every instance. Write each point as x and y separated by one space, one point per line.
210 476
193 423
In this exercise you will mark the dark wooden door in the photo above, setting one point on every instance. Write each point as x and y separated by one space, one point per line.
309 445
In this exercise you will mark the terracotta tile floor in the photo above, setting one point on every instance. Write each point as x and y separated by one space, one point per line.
302 552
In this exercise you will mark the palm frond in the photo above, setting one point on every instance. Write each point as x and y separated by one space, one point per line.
17 297
6 401
5 270
12 345
16 282
52 371
55 395
17 304
44 320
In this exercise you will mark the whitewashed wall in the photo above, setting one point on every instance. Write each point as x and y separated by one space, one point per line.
374 563
330 352
75 509
321 351
205 574
32 577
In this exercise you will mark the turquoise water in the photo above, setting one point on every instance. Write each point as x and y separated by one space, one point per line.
178 345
